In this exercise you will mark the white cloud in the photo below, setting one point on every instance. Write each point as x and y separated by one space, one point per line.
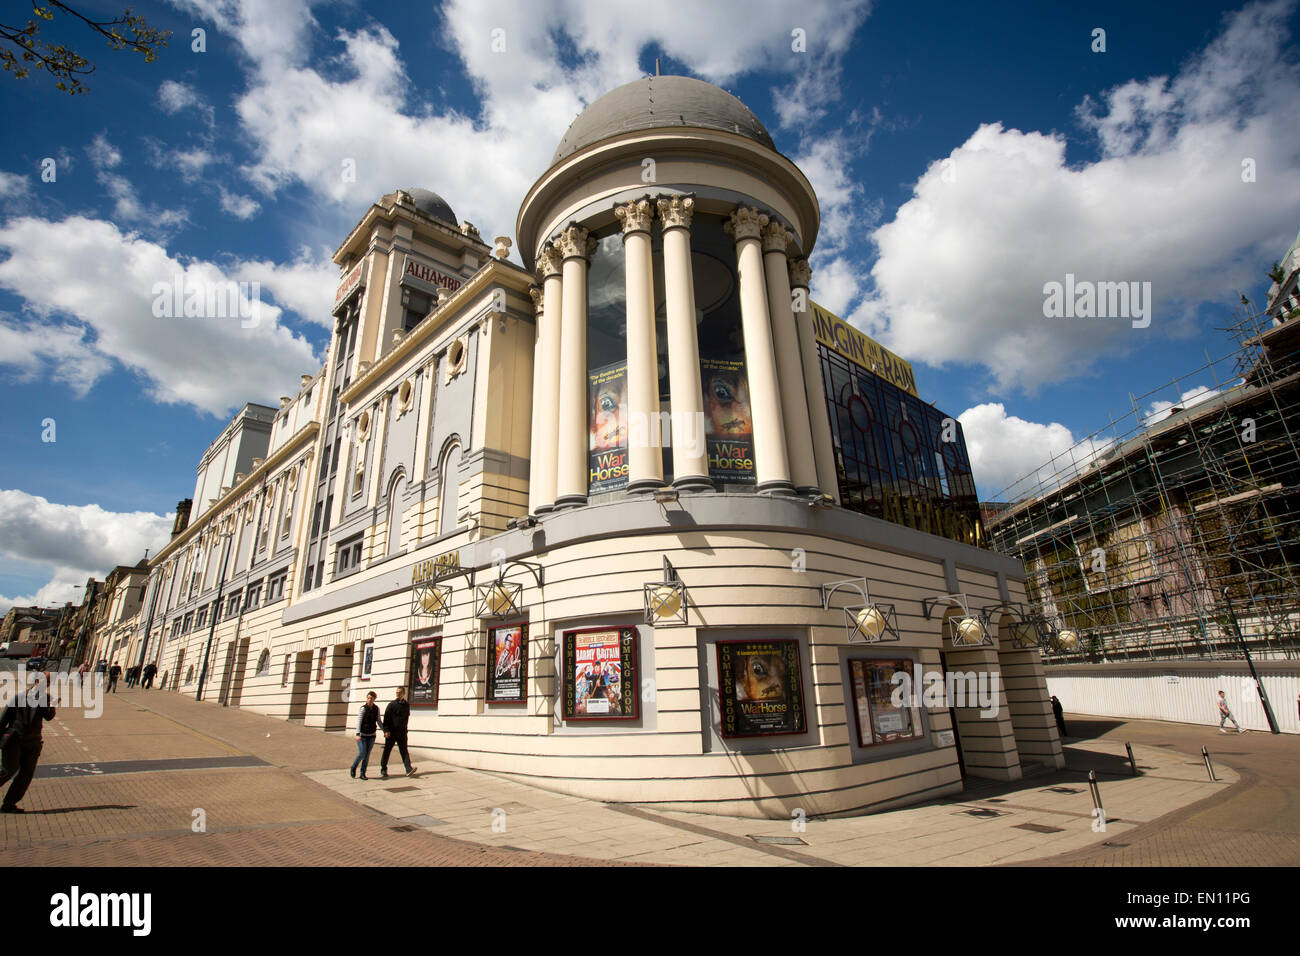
103 279
308 119
305 286
13 185
962 265
102 153
1159 410
1010 456
241 207
127 206
73 542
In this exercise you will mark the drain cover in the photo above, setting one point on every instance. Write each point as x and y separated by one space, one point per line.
1038 828
777 840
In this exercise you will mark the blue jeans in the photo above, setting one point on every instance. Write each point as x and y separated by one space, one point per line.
363 753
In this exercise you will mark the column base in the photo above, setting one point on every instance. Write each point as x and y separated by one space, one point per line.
544 509
694 483
569 501
775 488
644 486
808 491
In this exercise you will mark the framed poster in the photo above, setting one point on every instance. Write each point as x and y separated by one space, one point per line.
426 653
760 688
607 432
367 659
728 420
600 674
507 670
877 720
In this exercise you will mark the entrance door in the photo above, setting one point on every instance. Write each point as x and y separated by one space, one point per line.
952 717
300 686
180 664
226 674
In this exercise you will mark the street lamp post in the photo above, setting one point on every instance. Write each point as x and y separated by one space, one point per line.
1259 684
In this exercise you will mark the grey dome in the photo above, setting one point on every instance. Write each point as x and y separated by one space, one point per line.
660 102
432 204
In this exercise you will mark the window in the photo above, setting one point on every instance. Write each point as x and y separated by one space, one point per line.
201 617
395 492
275 587
448 499
306 579
254 596
873 687
415 306
320 666
189 623
263 663
349 558
284 681
367 659
232 606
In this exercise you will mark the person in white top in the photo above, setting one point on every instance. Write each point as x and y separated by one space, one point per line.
1225 714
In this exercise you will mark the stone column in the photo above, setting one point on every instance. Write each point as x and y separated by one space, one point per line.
546 381
818 415
645 461
573 445
770 458
789 367
686 391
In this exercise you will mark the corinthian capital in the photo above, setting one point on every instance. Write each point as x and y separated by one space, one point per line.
676 211
549 261
776 238
538 295
635 215
745 223
800 273
574 243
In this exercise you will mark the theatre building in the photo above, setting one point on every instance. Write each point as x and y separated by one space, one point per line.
636 521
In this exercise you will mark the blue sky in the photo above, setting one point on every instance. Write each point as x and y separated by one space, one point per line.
963 158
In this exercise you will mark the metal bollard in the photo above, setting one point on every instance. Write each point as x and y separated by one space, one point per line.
1096 794
1209 767
1132 762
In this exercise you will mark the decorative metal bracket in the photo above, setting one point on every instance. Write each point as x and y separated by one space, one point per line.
971 631
666 601
866 623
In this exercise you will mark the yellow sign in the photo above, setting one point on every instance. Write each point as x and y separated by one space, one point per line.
838 336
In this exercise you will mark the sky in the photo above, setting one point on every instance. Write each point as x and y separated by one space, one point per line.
964 158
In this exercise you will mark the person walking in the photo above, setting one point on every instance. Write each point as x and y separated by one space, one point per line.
396 717
1225 714
367 729
149 670
20 740
1059 713
101 671
114 673
82 671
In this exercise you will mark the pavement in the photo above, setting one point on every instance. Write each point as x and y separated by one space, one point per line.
161 779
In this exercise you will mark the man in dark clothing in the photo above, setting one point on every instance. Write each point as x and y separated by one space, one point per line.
149 670
396 716
114 673
1059 712
20 741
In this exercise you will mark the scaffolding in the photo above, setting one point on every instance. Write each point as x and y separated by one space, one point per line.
1176 528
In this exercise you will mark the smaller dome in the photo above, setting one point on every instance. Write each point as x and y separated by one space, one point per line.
432 204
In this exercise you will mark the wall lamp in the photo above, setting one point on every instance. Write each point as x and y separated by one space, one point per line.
522 524
970 631
432 599
1026 630
866 623
666 494
819 500
502 598
665 602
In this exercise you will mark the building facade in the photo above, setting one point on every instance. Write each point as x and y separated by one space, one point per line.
636 521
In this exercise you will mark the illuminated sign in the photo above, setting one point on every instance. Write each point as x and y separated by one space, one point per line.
426 275
355 277
837 335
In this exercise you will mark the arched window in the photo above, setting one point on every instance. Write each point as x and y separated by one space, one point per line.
264 663
396 489
449 476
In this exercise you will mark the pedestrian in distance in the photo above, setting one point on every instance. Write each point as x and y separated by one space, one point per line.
20 740
367 729
114 673
1225 714
149 670
1059 713
82 671
101 671
396 717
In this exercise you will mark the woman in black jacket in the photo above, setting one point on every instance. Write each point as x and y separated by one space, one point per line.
367 728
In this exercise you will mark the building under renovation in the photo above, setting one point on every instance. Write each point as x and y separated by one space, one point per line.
1179 526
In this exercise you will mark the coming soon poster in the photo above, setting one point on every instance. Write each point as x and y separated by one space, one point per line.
600 680
607 428
760 688
424 671
728 421
507 674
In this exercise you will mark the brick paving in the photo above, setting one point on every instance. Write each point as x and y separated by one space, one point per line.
301 808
